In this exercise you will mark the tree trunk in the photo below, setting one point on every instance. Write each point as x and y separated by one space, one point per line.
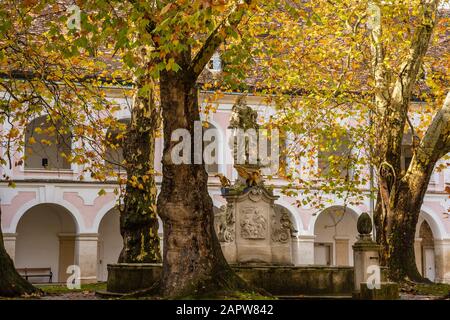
406 208
396 230
11 283
400 197
193 263
138 219
398 242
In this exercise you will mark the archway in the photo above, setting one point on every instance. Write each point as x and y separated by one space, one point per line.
335 232
110 243
46 145
46 239
424 251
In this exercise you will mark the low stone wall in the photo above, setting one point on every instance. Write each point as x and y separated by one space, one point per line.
308 280
129 277
278 280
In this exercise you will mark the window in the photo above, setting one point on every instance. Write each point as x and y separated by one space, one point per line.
215 63
46 145
114 151
335 159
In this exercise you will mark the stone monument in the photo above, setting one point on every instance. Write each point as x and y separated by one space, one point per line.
249 227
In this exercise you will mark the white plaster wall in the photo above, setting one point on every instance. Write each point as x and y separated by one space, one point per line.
325 231
37 244
109 242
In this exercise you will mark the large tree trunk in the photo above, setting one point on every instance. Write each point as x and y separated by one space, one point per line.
11 283
138 219
406 206
400 197
398 239
193 261
396 231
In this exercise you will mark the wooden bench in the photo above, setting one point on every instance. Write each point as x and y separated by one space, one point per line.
36 273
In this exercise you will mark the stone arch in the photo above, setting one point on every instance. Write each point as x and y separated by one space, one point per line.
427 231
110 242
353 210
436 226
426 234
100 214
105 210
46 239
335 232
71 209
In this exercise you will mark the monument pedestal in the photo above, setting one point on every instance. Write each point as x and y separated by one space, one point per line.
365 259
367 275
251 230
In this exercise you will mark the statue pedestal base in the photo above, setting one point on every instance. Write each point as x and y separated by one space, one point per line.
250 230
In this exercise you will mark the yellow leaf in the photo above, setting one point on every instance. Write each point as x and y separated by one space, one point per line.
166 8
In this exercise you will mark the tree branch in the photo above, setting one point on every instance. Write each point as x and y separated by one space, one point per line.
216 38
436 142
382 94
394 103
419 46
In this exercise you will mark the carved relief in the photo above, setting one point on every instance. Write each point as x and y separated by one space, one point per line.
225 223
283 227
255 194
253 224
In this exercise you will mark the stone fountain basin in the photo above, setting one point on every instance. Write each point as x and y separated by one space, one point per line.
278 280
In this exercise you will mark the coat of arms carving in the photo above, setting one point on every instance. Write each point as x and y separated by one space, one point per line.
253 224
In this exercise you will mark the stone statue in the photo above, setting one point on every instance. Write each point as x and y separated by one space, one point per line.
224 181
244 123
252 176
248 228
243 116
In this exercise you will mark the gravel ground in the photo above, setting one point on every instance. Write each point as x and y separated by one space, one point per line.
91 296
72 296
406 296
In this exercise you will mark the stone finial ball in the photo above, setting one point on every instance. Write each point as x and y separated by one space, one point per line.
364 224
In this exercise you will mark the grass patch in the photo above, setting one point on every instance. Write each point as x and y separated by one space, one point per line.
237 295
247 296
62 288
433 289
